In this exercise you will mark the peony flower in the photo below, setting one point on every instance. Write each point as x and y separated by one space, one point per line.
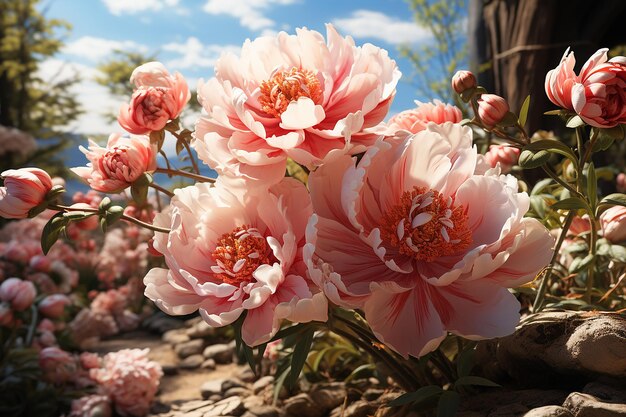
53 306
492 109
23 190
91 406
116 167
597 94
415 120
158 98
20 294
230 254
130 379
613 223
423 245
292 96
463 80
506 156
57 365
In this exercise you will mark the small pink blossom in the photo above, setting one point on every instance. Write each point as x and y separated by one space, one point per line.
20 294
40 263
620 182
90 360
130 379
91 406
158 98
492 109
504 155
119 164
53 306
229 254
416 120
57 365
23 190
613 223
463 80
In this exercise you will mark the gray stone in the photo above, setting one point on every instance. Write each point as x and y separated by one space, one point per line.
261 411
359 409
169 368
216 397
192 362
329 396
208 364
231 383
175 336
246 374
262 382
253 401
189 348
199 330
212 387
232 406
302 405
549 411
221 353
194 405
586 405
236 391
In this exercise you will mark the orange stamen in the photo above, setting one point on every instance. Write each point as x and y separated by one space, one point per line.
287 86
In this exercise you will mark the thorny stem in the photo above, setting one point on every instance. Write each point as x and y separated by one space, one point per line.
197 177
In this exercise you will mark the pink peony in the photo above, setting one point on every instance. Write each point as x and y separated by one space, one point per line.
91 406
597 94
463 80
20 294
23 190
229 254
53 306
116 167
159 97
415 120
422 244
57 365
613 223
506 156
492 109
130 379
293 96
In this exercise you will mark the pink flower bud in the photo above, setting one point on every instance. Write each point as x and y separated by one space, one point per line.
20 294
492 109
620 182
23 190
463 80
53 306
58 366
40 263
613 223
90 360
46 325
91 222
6 314
506 156
117 166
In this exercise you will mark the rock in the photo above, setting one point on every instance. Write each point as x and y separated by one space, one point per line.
246 374
606 392
193 321
216 397
232 383
549 411
221 353
169 368
199 330
160 322
373 394
192 362
586 405
232 406
548 345
301 405
329 396
208 364
253 401
194 405
359 408
175 336
261 411
237 391
212 387
494 401
262 382
189 348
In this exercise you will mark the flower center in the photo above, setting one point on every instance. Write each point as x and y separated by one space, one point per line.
287 86
238 254
116 164
425 225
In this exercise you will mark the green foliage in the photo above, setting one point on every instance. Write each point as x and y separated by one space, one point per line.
436 62
117 69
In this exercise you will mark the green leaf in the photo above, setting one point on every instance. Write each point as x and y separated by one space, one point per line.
278 385
616 199
574 122
603 143
556 113
579 264
418 396
553 146
616 132
475 381
541 185
300 353
139 188
448 404
179 146
530 160
51 231
465 361
603 247
523 112
592 186
618 253
571 203
509 119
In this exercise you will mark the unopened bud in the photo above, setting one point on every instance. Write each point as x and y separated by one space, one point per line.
463 80
492 109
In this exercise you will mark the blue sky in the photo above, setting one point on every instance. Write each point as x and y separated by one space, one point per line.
189 35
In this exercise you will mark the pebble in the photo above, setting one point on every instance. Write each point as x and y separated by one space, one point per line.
189 348
236 391
208 364
302 405
261 383
221 353
192 362
359 409
200 330
231 383
232 406
212 387
175 336
261 411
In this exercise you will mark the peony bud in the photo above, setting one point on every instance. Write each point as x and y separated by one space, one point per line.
91 222
24 189
57 365
506 156
20 294
620 182
613 223
492 109
53 306
463 80
40 263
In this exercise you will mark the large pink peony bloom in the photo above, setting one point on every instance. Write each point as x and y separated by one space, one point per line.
116 167
158 98
292 96
130 379
24 189
416 120
597 94
420 242
228 255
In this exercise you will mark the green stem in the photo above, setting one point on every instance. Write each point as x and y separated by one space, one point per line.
161 189
555 177
197 177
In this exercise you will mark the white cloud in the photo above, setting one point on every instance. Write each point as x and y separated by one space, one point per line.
377 25
95 49
251 13
194 54
119 7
